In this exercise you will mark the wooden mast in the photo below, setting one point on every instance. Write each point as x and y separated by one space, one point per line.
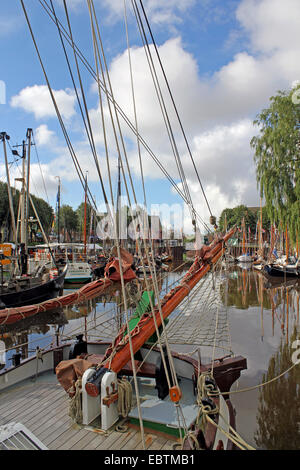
244 237
84 222
146 327
286 243
4 137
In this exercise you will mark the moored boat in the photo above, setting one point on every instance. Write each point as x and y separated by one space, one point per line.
25 290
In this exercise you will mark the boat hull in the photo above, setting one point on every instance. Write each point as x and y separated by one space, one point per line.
277 271
34 295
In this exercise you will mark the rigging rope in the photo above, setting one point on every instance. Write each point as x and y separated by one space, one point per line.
175 107
82 58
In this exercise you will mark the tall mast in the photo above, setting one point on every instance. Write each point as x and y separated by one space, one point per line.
4 137
244 237
260 231
28 135
84 222
286 242
58 210
119 200
23 196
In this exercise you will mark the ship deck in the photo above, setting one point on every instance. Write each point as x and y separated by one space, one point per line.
42 407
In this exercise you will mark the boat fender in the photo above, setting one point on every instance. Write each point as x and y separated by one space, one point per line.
78 347
93 384
16 359
210 385
161 383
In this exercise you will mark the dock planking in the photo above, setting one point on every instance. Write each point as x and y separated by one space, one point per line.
43 409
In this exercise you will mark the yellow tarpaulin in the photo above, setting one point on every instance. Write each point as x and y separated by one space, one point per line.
7 251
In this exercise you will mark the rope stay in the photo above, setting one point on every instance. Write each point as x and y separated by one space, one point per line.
174 104
104 86
110 98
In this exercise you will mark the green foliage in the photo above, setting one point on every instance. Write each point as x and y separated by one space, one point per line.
44 211
68 220
80 216
235 216
277 160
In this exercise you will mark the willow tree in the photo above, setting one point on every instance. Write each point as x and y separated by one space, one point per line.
277 154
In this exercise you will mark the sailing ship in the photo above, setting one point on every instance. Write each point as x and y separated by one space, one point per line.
170 393
244 257
285 266
24 288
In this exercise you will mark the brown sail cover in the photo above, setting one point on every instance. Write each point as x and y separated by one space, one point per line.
113 270
67 372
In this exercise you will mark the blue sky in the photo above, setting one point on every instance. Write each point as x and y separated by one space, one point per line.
223 59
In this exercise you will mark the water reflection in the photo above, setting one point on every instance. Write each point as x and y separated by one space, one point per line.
278 414
99 318
263 316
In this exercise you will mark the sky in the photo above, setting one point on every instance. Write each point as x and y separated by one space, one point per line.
223 60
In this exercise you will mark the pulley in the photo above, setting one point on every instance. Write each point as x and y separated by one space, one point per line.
175 394
213 220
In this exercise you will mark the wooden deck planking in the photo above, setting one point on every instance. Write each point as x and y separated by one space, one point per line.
74 437
55 435
47 415
25 410
43 409
24 402
52 429
121 442
94 442
85 441
157 444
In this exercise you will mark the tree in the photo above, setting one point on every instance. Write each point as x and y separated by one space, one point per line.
234 217
68 220
277 159
44 211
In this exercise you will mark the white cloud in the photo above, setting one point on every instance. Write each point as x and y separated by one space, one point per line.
217 110
158 12
37 100
273 25
43 135
9 25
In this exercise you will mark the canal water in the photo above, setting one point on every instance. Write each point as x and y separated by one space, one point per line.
263 319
